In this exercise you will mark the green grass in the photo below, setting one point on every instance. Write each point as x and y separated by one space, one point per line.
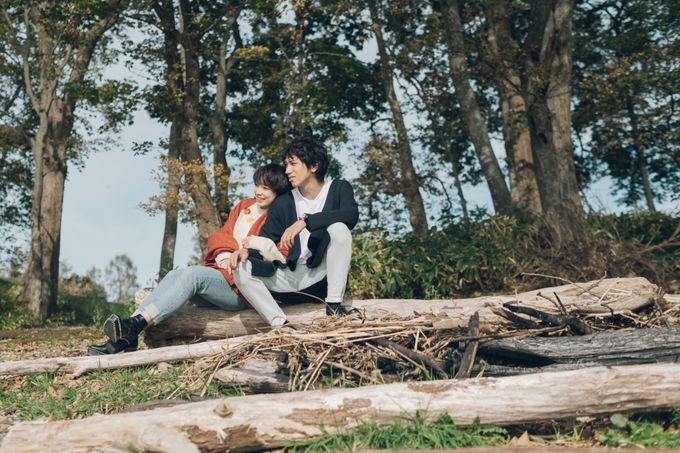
415 433
100 392
648 431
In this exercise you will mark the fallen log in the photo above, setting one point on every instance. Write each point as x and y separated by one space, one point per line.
80 365
604 297
267 421
254 376
617 347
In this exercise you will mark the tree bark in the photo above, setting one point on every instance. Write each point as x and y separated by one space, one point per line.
410 185
171 208
78 366
516 135
191 322
477 130
546 83
239 424
617 347
217 121
206 216
640 156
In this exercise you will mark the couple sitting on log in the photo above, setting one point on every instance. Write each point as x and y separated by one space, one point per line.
292 238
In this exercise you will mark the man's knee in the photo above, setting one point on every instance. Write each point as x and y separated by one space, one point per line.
242 273
340 234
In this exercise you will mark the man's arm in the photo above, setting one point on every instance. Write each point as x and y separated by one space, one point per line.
276 222
347 211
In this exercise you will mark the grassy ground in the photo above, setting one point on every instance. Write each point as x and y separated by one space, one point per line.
60 397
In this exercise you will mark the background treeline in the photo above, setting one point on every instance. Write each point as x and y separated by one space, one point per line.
574 90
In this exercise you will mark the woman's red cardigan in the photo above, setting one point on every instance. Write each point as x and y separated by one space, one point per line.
223 240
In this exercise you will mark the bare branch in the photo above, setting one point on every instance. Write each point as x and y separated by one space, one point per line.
26 67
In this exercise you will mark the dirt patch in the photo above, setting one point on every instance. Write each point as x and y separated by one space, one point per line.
26 344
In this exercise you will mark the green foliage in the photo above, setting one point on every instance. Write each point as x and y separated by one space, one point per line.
462 258
418 433
43 395
646 432
488 254
81 301
12 315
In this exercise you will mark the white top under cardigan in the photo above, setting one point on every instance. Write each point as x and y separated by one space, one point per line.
244 222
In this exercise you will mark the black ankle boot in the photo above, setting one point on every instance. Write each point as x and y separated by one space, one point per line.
333 309
111 347
117 329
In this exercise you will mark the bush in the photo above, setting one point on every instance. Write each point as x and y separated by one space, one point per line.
490 253
73 308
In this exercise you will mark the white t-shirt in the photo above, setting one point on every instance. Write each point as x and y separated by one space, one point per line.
304 206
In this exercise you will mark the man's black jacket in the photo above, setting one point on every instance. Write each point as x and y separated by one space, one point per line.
340 206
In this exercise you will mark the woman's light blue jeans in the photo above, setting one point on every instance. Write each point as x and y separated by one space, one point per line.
204 286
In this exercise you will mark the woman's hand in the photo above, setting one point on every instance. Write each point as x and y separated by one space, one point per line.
238 256
245 243
288 237
224 264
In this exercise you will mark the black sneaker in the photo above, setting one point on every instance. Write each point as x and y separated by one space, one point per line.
117 329
338 309
111 347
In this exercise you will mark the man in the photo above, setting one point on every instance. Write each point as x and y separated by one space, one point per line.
312 223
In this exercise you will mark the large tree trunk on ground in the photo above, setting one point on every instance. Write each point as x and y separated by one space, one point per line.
477 130
547 87
620 295
81 365
267 421
603 348
410 185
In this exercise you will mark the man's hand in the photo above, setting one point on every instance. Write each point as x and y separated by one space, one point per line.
239 255
288 236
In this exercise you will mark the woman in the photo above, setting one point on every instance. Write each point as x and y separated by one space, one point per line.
211 284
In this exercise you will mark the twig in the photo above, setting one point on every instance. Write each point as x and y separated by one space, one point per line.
415 356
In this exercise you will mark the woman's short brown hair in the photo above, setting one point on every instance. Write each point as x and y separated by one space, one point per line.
272 176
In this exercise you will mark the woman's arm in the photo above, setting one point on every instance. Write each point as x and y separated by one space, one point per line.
223 240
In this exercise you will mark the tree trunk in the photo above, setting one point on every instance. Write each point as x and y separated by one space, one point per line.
78 366
42 278
409 179
205 215
477 130
459 190
54 107
171 207
516 135
640 155
262 422
221 171
517 138
547 87
618 347
191 322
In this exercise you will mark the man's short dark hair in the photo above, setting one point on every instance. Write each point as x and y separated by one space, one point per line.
310 152
272 176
